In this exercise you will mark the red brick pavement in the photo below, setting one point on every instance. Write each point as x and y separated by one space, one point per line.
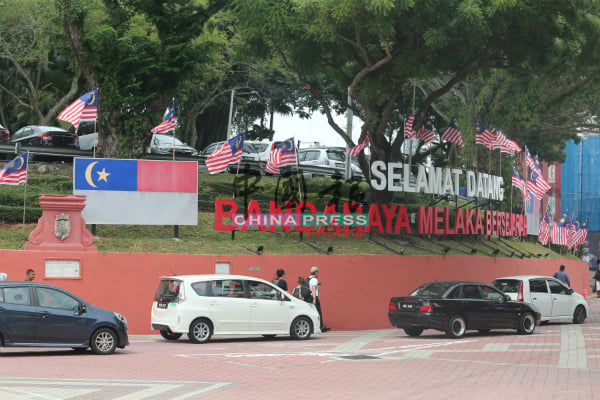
559 361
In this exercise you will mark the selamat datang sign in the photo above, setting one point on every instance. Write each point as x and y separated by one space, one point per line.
353 220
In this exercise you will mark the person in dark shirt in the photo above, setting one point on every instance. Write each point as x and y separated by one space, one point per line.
562 276
279 281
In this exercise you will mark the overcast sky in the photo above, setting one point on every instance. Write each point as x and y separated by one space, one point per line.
312 130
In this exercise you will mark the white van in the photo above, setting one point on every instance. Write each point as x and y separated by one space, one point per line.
203 305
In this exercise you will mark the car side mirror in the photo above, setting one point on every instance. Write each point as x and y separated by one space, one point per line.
571 291
82 308
507 298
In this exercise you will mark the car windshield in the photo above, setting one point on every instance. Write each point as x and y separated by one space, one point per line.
336 155
507 285
431 289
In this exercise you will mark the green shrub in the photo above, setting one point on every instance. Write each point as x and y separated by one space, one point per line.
14 214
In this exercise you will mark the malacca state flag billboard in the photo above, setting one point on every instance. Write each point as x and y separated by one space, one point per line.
137 192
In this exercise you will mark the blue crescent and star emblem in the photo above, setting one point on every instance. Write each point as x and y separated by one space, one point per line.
105 174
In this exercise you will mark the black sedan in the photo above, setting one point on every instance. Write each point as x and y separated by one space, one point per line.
454 307
37 135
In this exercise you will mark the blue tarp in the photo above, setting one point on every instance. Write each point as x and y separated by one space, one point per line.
580 182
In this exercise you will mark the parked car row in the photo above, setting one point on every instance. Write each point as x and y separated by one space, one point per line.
330 160
515 302
40 315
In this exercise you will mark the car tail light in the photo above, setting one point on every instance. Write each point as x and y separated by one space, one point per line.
426 308
45 136
520 293
392 307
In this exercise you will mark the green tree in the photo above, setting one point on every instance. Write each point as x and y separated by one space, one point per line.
377 49
137 52
36 78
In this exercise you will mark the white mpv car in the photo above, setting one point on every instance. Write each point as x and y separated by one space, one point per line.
555 300
203 305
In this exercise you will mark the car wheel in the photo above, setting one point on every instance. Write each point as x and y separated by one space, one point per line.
300 328
413 331
456 327
104 341
579 315
483 331
526 324
170 335
200 331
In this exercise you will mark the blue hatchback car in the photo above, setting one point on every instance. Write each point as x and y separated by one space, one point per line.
39 315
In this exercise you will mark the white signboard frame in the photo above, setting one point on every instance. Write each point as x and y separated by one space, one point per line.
62 269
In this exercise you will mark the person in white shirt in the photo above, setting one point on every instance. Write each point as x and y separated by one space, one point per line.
315 286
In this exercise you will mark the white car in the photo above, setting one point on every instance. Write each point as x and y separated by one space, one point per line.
555 300
203 305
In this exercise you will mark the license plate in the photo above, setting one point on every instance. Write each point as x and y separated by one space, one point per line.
162 305
407 306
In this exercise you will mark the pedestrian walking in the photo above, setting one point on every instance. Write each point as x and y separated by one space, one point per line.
279 281
562 276
30 275
315 287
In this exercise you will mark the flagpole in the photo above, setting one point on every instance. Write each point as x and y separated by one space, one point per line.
411 142
298 171
25 190
95 136
237 171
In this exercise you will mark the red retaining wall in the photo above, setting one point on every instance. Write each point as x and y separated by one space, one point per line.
354 294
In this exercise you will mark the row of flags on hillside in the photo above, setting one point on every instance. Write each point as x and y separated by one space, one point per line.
85 108
281 154
535 183
564 232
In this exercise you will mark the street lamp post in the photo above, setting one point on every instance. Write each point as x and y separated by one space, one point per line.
230 114
229 120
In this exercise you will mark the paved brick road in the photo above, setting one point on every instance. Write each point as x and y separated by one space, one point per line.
559 361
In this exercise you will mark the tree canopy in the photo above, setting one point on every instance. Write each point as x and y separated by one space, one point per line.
378 50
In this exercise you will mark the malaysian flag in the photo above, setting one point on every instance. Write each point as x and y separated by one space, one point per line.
15 172
559 231
229 153
530 162
542 183
483 135
452 134
84 108
408 127
426 132
581 234
536 185
501 142
517 180
544 234
282 153
572 233
357 149
169 121
515 148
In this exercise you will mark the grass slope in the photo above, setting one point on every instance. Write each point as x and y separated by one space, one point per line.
203 239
